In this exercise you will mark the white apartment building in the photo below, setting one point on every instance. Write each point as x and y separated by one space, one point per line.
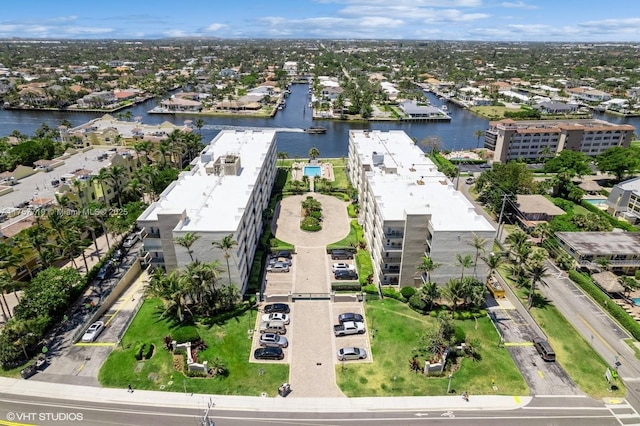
624 200
411 210
511 140
225 192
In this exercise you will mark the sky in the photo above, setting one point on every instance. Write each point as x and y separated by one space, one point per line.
483 20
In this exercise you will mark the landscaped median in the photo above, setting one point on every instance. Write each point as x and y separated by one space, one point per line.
227 343
395 331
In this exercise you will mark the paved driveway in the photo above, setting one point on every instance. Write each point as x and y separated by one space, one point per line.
312 349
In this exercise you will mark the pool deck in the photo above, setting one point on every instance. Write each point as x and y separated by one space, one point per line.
297 171
629 306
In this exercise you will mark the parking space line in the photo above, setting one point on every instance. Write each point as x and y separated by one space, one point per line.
595 333
96 344
518 344
540 374
126 302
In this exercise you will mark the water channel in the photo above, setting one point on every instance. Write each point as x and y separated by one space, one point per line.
290 121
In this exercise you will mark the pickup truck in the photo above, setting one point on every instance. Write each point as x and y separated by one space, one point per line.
347 328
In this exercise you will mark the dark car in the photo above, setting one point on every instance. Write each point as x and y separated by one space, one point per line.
268 353
106 271
118 255
345 274
282 253
277 307
341 254
350 316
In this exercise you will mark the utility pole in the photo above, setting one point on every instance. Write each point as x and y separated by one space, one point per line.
499 230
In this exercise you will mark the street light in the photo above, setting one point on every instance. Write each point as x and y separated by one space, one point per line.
449 386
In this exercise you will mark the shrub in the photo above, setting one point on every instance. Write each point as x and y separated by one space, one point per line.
637 274
417 304
459 335
310 224
149 352
392 293
346 287
187 333
407 292
316 214
140 351
351 211
370 289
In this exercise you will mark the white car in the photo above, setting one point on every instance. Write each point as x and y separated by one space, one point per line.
93 332
341 266
276 316
345 354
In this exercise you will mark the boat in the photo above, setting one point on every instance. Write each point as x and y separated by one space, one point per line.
444 108
315 130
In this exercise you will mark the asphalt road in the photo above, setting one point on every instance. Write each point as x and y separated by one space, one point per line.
550 411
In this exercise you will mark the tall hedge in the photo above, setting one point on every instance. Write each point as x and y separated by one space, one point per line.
586 284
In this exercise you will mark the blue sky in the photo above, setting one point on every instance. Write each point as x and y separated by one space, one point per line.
491 20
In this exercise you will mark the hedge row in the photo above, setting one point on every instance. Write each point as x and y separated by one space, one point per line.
350 286
585 283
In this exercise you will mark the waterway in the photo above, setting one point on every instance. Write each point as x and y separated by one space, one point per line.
290 122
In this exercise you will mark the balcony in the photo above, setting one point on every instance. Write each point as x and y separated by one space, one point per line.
153 234
393 234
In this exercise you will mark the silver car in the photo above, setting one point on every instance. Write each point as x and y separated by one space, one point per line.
93 332
345 354
278 267
273 340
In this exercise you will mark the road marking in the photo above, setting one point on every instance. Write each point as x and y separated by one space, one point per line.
516 398
122 305
8 423
79 369
595 333
96 344
540 374
519 344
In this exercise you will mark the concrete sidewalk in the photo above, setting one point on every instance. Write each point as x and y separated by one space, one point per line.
255 403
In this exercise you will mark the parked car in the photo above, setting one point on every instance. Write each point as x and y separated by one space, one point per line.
118 255
282 253
485 166
93 332
470 180
131 240
106 271
278 267
277 307
350 316
282 260
341 266
345 274
341 254
273 340
276 316
348 327
345 354
275 327
268 353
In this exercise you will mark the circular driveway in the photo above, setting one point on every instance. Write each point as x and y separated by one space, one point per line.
335 221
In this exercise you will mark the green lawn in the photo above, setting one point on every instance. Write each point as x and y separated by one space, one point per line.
227 340
394 330
573 352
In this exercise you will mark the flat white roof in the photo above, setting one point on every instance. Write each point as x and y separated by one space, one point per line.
395 183
216 203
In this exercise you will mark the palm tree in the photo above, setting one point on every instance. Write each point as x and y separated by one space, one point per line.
143 146
493 261
478 133
429 292
6 285
102 176
465 262
282 156
543 230
479 244
171 289
187 241
427 266
115 175
226 244
314 153
454 292
536 272
199 123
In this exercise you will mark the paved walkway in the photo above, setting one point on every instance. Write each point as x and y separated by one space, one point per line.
197 401
312 352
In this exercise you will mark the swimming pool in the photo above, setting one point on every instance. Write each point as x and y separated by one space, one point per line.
636 300
596 201
315 171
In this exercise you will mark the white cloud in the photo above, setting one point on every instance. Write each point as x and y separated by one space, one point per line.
215 27
175 33
87 30
517 5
